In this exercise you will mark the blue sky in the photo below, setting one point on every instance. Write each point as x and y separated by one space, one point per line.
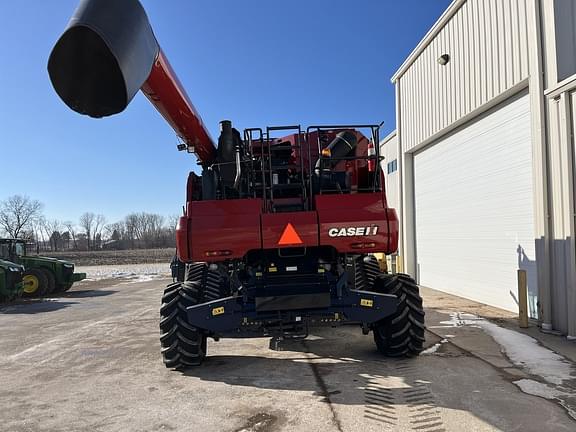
255 62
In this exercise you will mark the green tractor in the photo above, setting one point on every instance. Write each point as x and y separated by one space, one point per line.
11 285
42 275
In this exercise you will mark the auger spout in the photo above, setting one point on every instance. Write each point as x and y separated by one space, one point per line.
106 54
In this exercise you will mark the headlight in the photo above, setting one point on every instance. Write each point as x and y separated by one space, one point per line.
68 265
14 269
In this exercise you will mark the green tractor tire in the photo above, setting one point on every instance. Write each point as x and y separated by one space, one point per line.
51 282
35 282
63 287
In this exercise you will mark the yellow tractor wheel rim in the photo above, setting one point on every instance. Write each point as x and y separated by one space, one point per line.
31 284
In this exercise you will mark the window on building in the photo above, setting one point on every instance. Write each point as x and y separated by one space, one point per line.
565 19
392 166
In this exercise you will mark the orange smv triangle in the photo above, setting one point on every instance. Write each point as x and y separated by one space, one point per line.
289 236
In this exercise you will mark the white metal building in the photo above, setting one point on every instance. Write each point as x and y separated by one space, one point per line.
485 155
389 151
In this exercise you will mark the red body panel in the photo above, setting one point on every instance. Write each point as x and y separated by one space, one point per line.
361 211
224 229
274 224
231 226
165 92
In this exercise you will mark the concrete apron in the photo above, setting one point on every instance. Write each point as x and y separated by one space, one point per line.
90 360
539 364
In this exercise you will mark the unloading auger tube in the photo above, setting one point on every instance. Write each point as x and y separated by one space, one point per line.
107 53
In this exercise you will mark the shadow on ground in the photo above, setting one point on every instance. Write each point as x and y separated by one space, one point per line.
35 306
51 304
343 370
87 293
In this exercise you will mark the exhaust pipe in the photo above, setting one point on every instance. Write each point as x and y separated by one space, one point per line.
106 54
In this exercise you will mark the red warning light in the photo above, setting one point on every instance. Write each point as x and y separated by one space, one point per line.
289 236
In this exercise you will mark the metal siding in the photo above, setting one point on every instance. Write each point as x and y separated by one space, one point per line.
523 38
474 208
389 150
459 66
487 43
502 54
495 47
559 250
561 154
571 264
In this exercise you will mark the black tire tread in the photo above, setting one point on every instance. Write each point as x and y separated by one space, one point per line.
180 344
401 334
366 270
50 281
183 345
42 282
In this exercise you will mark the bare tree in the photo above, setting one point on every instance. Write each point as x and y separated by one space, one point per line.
131 223
17 214
36 228
99 223
146 229
116 232
173 221
52 229
72 231
66 239
87 224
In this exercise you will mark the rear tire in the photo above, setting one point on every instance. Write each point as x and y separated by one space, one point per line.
401 334
50 282
37 283
61 288
184 345
64 287
366 270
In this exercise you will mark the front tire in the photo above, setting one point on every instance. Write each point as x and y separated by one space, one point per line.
401 334
50 282
36 282
184 345
64 287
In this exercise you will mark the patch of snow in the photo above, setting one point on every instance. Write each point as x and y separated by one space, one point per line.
545 391
125 271
521 349
142 278
432 350
538 389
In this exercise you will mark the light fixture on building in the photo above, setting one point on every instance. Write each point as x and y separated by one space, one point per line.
444 59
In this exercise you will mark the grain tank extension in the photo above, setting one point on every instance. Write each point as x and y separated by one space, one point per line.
280 230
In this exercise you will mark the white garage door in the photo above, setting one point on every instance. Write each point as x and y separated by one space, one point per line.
473 208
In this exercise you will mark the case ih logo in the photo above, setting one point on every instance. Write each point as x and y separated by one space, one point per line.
353 231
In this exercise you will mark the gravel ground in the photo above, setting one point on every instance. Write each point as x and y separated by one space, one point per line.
89 361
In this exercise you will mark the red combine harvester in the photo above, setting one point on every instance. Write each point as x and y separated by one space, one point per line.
278 232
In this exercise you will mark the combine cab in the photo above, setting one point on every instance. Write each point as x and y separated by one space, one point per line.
280 230
42 275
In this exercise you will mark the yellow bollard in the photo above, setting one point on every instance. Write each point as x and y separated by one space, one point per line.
522 299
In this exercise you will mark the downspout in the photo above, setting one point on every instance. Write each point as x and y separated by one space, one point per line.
400 209
540 168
